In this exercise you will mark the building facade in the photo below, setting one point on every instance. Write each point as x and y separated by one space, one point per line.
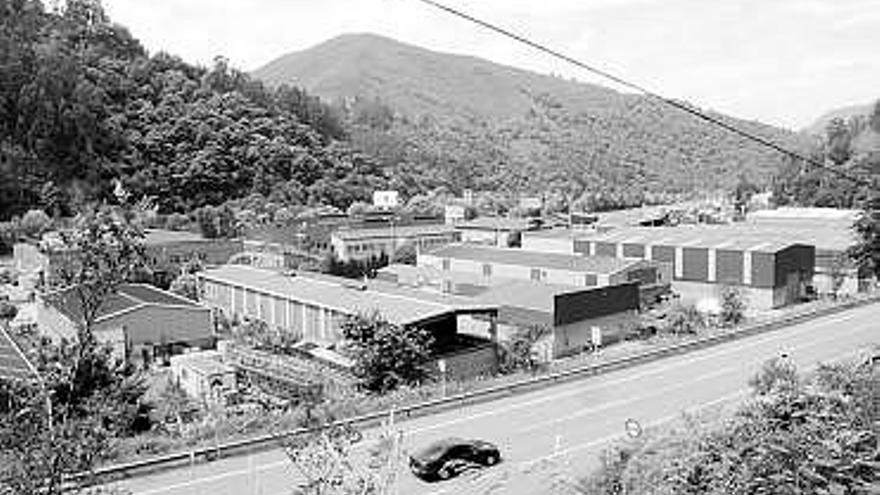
363 244
704 259
140 322
312 307
488 263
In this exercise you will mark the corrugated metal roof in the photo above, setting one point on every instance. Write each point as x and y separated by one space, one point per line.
534 259
398 305
742 236
126 296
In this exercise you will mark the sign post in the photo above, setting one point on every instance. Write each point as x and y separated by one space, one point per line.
596 338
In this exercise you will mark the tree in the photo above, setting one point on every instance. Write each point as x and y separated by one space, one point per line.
733 306
324 458
102 251
63 424
866 252
34 223
7 311
684 319
386 355
519 352
405 254
798 434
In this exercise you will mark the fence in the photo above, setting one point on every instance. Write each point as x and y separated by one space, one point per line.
436 405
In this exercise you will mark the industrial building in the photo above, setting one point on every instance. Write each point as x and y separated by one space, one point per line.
554 268
496 231
569 313
312 306
138 321
703 258
362 244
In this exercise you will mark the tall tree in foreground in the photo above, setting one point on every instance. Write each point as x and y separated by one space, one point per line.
102 251
866 251
387 355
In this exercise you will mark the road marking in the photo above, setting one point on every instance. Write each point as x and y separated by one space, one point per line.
609 438
598 386
650 370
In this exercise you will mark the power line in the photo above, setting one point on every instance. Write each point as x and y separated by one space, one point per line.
641 89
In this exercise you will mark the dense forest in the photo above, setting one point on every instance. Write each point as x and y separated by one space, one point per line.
82 105
851 147
463 122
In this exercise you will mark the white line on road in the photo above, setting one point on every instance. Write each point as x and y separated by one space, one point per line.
650 370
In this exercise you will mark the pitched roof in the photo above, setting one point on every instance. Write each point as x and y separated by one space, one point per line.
533 259
14 365
126 297
398 305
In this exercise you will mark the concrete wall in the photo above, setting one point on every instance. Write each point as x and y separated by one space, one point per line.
306 321
490 270
547 244
575 337
156 325
362 249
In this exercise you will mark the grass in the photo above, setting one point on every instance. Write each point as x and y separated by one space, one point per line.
356 403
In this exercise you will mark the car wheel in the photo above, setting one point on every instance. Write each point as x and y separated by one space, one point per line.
491 459
444 473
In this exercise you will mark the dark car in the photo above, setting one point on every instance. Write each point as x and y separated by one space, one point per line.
446 458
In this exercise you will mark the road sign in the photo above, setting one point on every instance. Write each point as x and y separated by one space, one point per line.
633 428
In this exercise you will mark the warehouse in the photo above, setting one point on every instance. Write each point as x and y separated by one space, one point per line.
703 259
554 268
313 306
570 313
138 321
363 244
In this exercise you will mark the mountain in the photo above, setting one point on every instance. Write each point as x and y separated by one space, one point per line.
463 122
817 128
419 81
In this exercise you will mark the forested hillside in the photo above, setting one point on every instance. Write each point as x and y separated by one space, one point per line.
82 104
465 122
852 147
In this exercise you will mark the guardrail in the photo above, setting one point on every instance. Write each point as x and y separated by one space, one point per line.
477 396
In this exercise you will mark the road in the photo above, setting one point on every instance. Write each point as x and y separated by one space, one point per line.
573 420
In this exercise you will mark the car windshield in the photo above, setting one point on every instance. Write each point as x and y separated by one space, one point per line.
438 448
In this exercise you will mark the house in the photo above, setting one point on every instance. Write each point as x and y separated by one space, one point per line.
138 321
554 268
313 306
364 243
496 231
771 271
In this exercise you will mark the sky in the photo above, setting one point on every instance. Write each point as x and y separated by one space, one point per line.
783 62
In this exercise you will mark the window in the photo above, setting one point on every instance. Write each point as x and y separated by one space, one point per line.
487 270
536 274
446 264
591 280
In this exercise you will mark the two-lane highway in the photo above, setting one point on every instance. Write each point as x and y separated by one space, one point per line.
576 418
